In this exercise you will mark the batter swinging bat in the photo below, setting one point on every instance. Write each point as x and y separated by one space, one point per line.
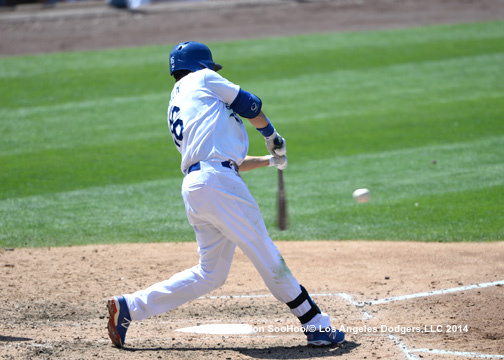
281 199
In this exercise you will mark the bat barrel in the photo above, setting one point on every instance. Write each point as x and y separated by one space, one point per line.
282 203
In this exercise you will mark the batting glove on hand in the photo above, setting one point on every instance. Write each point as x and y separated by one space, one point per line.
276 144
279 162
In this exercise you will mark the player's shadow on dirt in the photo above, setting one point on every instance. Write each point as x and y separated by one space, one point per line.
298 352
13 338
274 352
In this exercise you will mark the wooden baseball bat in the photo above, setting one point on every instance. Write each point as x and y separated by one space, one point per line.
282 202
281 198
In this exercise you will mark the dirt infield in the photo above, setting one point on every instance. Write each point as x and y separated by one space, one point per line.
67 28
53 302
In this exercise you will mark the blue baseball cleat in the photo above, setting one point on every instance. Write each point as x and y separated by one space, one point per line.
325 337
119 320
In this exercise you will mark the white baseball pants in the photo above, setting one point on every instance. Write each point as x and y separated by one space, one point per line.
223 214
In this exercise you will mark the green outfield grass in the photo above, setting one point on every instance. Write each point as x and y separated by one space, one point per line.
416 115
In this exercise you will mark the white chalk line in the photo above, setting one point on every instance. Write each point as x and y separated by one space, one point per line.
349 298
432 293
408 352
458 353
345 296
404 348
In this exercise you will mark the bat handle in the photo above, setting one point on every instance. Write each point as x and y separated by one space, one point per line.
278 142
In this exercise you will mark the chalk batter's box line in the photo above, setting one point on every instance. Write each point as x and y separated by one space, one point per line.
409 353
348 297
435 292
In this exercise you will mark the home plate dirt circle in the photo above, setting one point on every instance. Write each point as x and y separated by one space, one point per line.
220 329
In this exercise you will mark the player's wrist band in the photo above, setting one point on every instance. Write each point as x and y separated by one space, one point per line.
268 130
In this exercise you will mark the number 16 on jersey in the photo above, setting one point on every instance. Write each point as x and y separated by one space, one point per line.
175 124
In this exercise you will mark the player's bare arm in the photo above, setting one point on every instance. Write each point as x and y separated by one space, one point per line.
260 121
274 142
255 162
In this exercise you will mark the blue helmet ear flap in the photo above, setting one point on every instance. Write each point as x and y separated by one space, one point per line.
216 67
192 56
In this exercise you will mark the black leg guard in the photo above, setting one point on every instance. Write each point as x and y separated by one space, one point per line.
310 314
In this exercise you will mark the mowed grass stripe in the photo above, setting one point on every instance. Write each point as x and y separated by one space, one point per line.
148 211
56 126
420 85
406 187
470 215
387 85
85 125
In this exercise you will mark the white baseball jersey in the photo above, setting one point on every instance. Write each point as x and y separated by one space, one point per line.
202 124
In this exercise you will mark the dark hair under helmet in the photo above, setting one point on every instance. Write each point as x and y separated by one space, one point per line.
193 56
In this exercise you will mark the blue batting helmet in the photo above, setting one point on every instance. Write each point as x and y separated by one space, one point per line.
193 56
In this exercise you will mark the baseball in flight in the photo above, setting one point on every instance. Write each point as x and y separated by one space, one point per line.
362 195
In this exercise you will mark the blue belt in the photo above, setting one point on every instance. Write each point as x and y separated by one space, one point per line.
197 166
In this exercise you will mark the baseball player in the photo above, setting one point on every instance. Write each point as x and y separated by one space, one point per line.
205 120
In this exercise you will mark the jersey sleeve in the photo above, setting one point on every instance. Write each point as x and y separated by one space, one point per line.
221 87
